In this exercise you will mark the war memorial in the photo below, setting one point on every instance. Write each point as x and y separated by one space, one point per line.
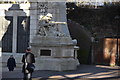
42 26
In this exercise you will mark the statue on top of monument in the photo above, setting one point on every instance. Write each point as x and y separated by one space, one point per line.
48 27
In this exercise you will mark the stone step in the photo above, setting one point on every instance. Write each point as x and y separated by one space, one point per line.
5 69
4 58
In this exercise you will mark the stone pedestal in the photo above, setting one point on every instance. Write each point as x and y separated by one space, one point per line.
54 53
53 46
57 64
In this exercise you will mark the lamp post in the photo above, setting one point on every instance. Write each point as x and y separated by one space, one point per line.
117 43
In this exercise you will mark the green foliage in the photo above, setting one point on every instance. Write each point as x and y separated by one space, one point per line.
91 17
83 56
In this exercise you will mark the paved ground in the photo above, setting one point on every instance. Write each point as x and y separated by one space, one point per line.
92 72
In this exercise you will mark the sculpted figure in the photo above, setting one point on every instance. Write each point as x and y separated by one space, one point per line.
47 27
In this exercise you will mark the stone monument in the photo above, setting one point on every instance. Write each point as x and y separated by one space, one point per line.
52 45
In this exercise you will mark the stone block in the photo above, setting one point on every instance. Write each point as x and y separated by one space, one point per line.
18 58
51 41
33 12
33 32
33 6
56 64
33 25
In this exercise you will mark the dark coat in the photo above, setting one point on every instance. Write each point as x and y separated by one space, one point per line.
11 63
29 60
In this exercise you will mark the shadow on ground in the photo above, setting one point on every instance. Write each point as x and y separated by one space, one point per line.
86 72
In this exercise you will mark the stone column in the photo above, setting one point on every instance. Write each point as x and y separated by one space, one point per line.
14 41
33 20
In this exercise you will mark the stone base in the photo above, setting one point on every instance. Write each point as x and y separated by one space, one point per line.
56 64
18 59
54 53
43 63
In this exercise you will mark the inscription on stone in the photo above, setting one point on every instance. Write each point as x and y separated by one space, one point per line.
42 8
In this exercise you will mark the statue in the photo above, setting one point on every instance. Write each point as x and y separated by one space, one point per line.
48 27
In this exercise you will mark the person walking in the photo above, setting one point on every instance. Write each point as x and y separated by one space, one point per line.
28 67
11 63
